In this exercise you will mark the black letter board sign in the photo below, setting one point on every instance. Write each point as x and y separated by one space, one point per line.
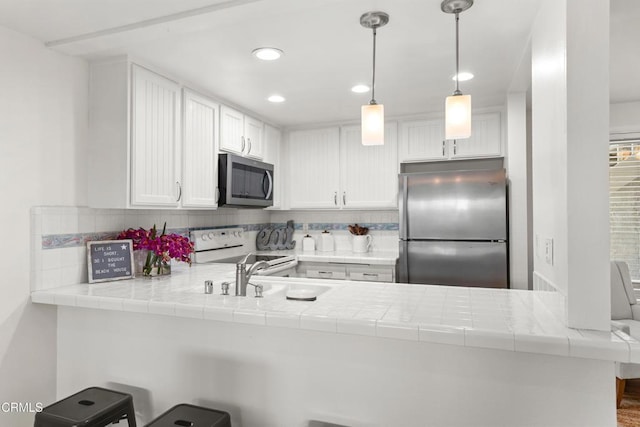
110 260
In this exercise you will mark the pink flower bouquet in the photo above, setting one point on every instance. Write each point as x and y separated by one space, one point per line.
161 249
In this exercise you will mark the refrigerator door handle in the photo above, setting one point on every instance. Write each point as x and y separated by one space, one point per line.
402 206
403 264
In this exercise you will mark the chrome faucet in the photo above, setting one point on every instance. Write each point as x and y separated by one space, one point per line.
243 275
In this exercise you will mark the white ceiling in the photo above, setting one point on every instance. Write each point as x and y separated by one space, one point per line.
209 43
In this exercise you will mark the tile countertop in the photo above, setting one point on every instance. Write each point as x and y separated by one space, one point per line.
341 256
511 320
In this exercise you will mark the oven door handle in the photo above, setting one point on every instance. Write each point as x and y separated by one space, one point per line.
277 268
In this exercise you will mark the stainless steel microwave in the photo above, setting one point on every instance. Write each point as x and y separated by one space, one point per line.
244 182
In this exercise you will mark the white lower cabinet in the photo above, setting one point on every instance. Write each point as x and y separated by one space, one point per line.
346 271
371 273
331 169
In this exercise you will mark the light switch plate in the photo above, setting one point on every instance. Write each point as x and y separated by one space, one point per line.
548 250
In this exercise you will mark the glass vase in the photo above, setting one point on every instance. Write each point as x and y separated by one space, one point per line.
154 266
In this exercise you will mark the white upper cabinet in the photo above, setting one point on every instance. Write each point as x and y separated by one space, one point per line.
240 134
331 169
134 137
424 140
485 140
253 133
155 140
200 151
150 144
272 152
231 130
314 173
368 174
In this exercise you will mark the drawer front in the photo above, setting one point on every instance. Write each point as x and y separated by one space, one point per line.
327 272
382 276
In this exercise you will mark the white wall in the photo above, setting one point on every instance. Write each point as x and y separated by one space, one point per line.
517 154
280 377
570 112
625 117
43 128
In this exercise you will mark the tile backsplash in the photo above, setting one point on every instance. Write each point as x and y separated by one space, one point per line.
59 234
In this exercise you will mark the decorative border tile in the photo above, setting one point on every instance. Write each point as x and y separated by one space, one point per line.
339 226
60 241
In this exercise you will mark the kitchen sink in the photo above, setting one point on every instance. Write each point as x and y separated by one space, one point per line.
298 291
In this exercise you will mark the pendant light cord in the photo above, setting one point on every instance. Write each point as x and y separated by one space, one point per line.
373 78
457 92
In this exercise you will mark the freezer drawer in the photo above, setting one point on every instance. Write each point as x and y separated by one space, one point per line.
476 264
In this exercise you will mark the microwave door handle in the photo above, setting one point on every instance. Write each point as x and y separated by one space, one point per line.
270 189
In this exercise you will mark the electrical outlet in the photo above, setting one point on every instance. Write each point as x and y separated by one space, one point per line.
305 227
548 250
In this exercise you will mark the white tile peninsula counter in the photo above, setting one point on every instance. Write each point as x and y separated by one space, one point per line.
362 354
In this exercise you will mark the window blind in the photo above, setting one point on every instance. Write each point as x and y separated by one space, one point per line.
624 203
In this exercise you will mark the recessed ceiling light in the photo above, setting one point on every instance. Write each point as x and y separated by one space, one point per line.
463 76
275 98
360 89
267 53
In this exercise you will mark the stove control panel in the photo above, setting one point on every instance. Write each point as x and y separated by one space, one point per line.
217 238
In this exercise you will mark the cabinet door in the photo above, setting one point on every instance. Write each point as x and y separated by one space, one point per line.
200 151
272 151
485 140
231 130
369 174
313 178
422 140
155 139
253 130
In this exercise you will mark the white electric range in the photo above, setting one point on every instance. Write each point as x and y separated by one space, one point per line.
227 245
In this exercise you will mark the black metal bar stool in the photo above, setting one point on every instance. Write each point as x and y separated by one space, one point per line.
185 415
91 407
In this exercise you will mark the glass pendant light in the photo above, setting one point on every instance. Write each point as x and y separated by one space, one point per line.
457 106
373 113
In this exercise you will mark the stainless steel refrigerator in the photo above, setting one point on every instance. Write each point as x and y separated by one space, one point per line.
453 228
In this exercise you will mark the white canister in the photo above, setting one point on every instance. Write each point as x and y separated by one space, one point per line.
325 242
308 244
362 243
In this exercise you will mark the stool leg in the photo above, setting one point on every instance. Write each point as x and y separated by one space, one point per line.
131 415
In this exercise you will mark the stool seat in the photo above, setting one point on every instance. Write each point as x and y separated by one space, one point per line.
91 407
186 415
